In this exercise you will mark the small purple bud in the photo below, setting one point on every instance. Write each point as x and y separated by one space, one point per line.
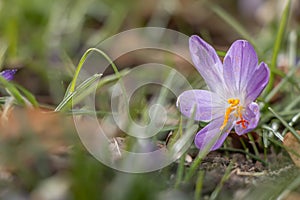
8 74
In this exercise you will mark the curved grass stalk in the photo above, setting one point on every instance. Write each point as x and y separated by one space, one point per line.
81 62
72 91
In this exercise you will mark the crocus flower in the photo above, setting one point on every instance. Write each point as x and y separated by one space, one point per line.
8 74
233 86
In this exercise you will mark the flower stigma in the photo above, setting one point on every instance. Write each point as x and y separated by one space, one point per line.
234 106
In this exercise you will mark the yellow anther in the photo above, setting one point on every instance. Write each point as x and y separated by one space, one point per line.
234 105
233 102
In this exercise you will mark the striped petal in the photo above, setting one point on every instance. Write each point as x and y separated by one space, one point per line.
258 82
205 105
240 63
210 137
207 63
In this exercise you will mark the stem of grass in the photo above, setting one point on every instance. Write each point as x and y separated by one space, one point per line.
293 131
277 44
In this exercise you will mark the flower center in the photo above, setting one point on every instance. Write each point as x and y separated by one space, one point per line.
234 106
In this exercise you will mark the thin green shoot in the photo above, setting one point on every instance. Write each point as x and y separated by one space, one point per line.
277 44
278 135
199 185
293 131
283 81
244 146
81 62
180 170
28 95
252 142
13 91
226 176
81 88
233 23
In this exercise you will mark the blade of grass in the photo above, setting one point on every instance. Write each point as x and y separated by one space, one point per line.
226 176
28 95
82 87
293 131
233 23
244 146
180 171
81 62
279 136
292 104
284 146
252 142
291 123
277 45
200 156
191 171
293 185
198 159
105 80
71 88
265 143
12 90
3 48
199 185
283 81
265 138
177 134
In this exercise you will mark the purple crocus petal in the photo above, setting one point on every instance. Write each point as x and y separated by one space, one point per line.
258 82
251 115
207 63
8 74
240 63
212 132
207 105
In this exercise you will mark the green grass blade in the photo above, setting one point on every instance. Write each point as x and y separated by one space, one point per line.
278 41
199 185
233 23
293 131
3 48
252 142
12 90
226 176
279 136
81 62
180 170
283 81
28 95
82 87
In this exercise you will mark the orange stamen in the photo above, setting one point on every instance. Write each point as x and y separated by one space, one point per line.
234 105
